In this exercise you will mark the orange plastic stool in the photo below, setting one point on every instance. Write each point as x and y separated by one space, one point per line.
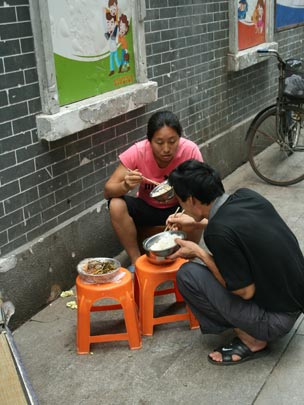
148 277
122 291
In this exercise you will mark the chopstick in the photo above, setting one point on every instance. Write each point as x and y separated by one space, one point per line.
168 226
150 180
147 179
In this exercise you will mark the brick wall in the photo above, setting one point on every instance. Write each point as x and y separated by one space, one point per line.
45 184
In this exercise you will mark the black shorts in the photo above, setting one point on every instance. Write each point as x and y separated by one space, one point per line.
145 215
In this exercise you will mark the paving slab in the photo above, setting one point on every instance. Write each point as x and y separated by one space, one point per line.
285 384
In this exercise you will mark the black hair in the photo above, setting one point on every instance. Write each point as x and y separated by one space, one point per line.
161 119
197 179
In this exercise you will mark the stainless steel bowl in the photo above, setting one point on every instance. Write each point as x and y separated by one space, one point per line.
163 192
160 256
87 277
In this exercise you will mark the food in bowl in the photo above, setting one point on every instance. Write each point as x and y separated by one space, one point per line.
97 267
163 192
162 188
161 245
166 241
98 270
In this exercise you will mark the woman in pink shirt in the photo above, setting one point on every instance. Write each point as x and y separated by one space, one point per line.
155 158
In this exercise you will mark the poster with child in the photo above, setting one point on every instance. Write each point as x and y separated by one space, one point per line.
92 46
251 23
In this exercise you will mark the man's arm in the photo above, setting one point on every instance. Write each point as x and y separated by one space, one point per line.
210 263
190 250
246 293
186 223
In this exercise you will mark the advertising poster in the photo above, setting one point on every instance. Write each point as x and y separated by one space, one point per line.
93 47
251 23
289 13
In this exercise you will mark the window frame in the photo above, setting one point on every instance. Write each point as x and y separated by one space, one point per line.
238 60
55 121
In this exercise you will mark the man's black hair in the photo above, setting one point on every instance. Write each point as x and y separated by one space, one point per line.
197 179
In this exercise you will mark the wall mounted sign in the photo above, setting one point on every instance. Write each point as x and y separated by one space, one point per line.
251 23
91 62
93 47
289 14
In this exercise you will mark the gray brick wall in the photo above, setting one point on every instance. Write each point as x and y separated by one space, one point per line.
44 184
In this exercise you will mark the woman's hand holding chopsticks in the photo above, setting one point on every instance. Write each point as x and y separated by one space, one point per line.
139 177
132 178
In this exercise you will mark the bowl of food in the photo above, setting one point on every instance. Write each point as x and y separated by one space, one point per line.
158 247
163 192
98 270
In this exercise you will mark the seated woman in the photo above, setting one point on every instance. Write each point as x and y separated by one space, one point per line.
154 158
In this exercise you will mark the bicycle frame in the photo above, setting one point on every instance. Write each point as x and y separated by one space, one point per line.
284 105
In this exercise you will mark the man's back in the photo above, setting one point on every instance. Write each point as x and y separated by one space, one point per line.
252 244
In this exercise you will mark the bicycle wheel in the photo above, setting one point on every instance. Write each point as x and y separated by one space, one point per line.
276 159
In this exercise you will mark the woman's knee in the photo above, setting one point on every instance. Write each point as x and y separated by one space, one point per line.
117 207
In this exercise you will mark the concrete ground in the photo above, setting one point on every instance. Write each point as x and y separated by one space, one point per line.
171 368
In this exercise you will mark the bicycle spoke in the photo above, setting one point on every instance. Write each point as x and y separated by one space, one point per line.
270 137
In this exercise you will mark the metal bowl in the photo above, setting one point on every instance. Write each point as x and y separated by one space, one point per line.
86 275
159 256
163 192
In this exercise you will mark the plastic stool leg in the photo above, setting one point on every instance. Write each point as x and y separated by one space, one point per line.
194 324
131 321
147 309
136 290
178 296
83 325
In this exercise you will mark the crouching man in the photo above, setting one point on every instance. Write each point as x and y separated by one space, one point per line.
253 278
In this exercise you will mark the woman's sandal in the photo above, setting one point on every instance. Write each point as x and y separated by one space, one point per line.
240 349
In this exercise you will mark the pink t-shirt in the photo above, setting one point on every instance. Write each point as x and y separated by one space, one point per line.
140 156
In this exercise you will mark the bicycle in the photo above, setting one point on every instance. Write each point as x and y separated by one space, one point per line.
275 138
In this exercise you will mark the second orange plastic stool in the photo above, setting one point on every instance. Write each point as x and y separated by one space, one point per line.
148 277
121 291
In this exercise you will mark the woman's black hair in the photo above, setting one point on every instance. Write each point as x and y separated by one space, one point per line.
161 119
197 179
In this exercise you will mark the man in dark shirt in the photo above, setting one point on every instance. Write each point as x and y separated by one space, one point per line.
252 278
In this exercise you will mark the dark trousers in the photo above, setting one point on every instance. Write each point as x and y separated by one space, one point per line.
217 309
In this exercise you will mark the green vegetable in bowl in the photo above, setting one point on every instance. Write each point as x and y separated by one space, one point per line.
96 267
